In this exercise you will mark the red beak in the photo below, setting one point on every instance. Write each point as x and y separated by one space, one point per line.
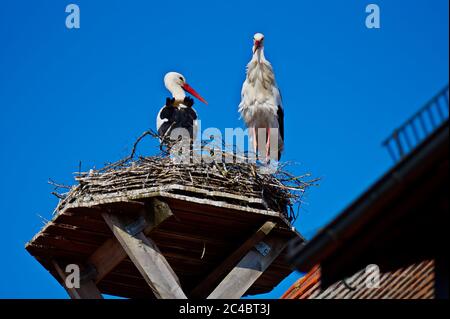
257 45
190 90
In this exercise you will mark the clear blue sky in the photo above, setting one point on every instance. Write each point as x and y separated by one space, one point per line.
71 95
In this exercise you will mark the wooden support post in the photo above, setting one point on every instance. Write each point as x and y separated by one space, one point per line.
147 258
87 290
207 285
242 277
111 253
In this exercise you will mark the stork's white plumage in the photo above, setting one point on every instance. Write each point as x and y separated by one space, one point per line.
261 106
178 111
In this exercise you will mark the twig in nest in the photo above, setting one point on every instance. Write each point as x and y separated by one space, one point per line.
52 182
137 142
243 180
43 220
60 196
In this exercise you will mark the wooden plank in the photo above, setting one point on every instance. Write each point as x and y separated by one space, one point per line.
202 218
206 286
248 270
208 230
87 290
48 253
147 258
142 194
228 215
178 264
65 244
189 240
75 233
82 222
111 253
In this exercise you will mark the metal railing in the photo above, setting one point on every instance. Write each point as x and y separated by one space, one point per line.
422 124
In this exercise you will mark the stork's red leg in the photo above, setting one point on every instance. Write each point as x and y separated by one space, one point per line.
268 145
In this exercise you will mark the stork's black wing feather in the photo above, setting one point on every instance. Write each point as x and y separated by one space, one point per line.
280 114
177 118
188 101
184 118
168 113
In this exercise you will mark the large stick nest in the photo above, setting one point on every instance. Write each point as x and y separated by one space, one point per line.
280 191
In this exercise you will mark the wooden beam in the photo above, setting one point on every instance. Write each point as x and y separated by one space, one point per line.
249 269
106 258
147 258
87 290
111 253
207 285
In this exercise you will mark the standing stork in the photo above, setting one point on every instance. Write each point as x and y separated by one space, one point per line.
178 111
261 106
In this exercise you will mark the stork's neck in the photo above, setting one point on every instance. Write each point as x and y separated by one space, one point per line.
259 72
258 56
177 92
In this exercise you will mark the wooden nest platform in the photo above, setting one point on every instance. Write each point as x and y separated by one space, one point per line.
150 228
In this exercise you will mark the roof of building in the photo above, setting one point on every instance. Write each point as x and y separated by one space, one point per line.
413 282
399 220
387 225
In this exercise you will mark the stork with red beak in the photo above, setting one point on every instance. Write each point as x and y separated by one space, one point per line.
178 111
261 105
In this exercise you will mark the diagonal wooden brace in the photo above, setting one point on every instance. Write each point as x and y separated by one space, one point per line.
147 258
249 269
111 253
87 289
207 285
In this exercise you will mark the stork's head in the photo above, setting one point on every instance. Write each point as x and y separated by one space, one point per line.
258 42
177 85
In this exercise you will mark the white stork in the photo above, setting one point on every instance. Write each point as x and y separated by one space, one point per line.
178 111
261 106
